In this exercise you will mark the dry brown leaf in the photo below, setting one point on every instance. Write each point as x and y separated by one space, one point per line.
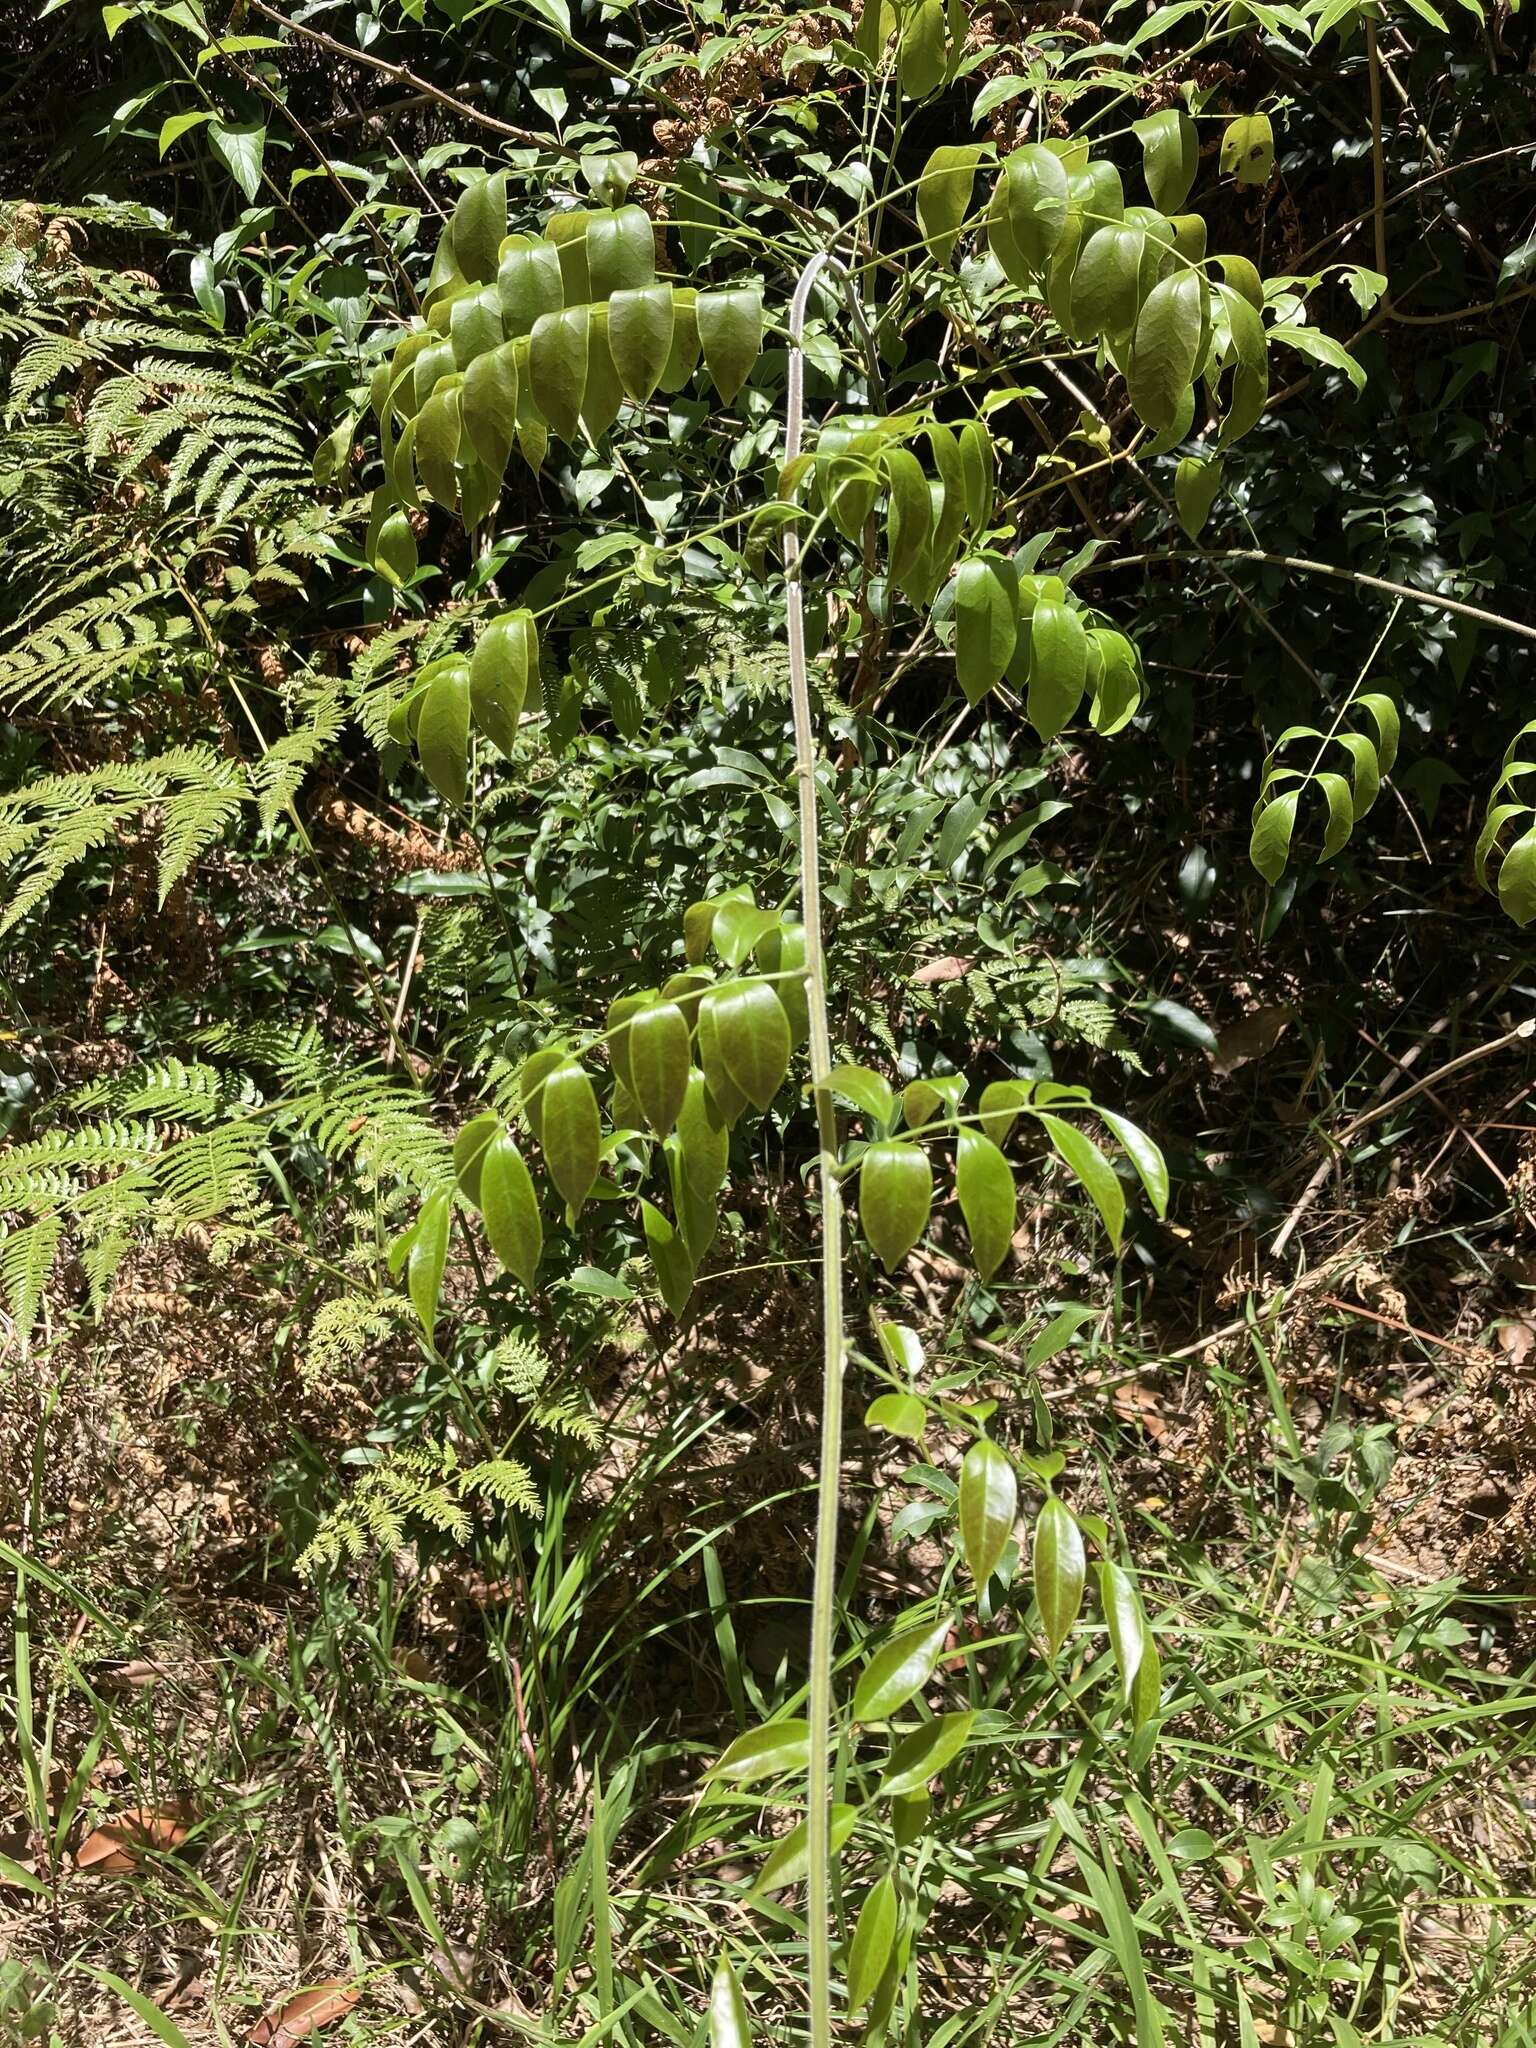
301 2015
118 1845
1258 1033
951 968
1516 1340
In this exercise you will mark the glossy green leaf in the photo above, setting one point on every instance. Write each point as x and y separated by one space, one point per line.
603 394
240 146
1029 212
528 282
781 954
683 360
868 1091
478 225
924 1754
999 1107
778 1749
730 327
1058 666
989 1500
873 1939
920 53
1099 1180
439 430
488 406
442 734
1105 283
1196 483
988 1200
1170 156
510 1206
557 367
898 1671
469 1150
752 1032
428 1257
704 1138
1114 680
908 513
1125 1622
505 660
1269 846
728 1097
394 554
978 468
1060 1570
474 326
944 196
660 1060
986 624
1165 350
895 1197
621 251
1145 1156
640 337
570 1131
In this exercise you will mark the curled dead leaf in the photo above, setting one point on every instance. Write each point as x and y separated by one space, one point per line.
296 2018
119 1844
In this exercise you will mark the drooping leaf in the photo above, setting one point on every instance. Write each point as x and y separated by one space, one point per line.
730 329
505 659
920 52
1058 666
510 1206
1165 350
924 1753
1170 156
640 324
557 367
570 1131
1248 149
428 1257
442 733
1125 1621
986 623
1098 1178
469 1150
660 1059
873 1939
478 225
1060 1570
488 406
988 1200
240 147
989 1499
670 1257
944 196
1196 483
895 1197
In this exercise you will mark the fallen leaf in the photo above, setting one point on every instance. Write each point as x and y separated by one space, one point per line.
1256 1035
1516 1340
117 1846
950 968
299 2016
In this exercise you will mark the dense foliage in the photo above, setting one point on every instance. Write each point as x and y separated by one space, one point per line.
625 624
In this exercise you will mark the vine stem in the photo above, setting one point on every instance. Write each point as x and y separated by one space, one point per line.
829 1470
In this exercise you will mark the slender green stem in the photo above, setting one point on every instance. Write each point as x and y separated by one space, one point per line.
824 1586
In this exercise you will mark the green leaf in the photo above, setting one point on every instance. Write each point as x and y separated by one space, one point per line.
730 327
669 1256
1517 880
177 125
1165 350
1114 681
442 734
1029 212
787 1862
1248 149
944 196
704 1139
478 224
1322 348
557 366
988 1201
1099 1179
898 1671
428 1257
869 1092
895 1197
999 1107
1106 281
1126 1623
873 1940
728 2024
1060 1569
909 513
1170 156
1274 821
505 659
779 1749
438 435
160 2024
570 1131
659 1060
510 1206
752 1033
978 467
488 406
394 554
1196 483
900 1414
603 394
920 53
924 1754
1145 1156
640 324
621 250
1058 666
986 623
240 146
989 1500
474 326
528 282
469 1149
